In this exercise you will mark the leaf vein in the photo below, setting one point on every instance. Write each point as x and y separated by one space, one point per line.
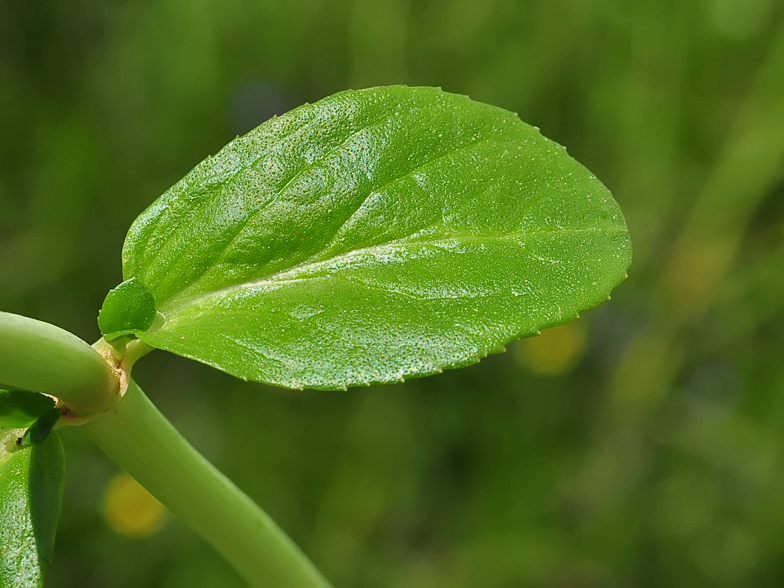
295 274
409 173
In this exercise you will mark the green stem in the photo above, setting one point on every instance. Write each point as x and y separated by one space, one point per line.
140 439
40 357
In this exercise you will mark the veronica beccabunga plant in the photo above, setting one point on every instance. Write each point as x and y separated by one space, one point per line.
370 237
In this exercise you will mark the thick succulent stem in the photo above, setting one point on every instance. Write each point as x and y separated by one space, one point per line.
140 439
40 357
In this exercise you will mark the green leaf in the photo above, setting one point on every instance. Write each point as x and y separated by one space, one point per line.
42 427
375 235
31 494
127 309
21 409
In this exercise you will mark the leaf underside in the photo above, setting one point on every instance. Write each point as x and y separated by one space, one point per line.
375 235
31 492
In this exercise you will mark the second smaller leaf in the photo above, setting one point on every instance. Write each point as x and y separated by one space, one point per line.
31 497
127 309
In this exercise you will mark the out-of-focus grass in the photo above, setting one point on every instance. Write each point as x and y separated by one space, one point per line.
650 458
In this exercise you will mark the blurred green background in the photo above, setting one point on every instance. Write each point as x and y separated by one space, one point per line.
641 446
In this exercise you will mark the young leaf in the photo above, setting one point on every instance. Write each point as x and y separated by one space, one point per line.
128 308
31 493
21 409
375 235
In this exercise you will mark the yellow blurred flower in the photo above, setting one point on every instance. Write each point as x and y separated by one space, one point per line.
130 510
555 351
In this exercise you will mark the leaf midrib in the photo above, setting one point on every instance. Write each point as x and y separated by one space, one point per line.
282 277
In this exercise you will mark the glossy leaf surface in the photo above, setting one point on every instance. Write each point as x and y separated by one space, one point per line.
31 493
372 236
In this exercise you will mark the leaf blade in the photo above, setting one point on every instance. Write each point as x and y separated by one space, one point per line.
378 196
31 489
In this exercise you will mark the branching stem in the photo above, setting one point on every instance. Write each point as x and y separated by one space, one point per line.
39 357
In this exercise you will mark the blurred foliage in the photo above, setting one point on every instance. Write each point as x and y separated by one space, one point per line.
653 457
